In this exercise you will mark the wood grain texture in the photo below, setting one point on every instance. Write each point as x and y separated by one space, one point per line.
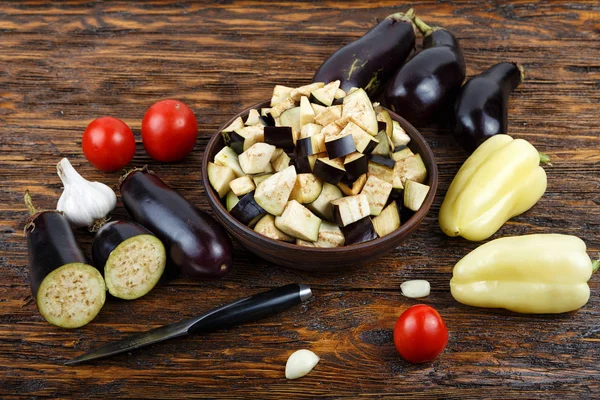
64 64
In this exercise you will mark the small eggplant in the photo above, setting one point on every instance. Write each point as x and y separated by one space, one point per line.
132 258
195 242
371 60
429 82
481 108
69 292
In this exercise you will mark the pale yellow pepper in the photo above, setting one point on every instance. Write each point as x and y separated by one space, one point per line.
500 180
534 274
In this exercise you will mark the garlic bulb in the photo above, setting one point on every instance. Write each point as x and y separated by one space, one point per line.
300 363
83 202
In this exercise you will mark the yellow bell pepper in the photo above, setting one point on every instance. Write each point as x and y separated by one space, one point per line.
534 274
500 180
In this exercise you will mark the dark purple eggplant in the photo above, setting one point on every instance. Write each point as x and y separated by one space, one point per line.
131 258
279 136
481 108
427 85
371 60
195 242
69 292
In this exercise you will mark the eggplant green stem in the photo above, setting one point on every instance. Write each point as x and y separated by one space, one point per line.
425 29
404 16
29 203
545 159
595 266
522 71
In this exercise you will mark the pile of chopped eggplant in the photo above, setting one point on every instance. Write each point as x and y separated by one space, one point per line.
320 168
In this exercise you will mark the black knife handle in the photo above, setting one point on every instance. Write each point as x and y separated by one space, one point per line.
252 308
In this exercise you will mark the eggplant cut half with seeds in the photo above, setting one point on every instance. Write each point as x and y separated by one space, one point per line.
481 108
131 257
371 60
68 291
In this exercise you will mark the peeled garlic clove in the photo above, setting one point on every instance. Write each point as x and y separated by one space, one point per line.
300 363
415 288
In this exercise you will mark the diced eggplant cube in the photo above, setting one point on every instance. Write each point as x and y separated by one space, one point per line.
329 115
291 118
284 105
279 136
280 93
267 119
247 209
304 243
307 114
381 125
297 221
359 231
257 158
317 108
377 192
253 118
350 209
238 123
266 226
242 185
226 157
339 94
231 200
387 162
322 205
310 130
340 146
242 139
411 168
306 189
355 165
276 154
415 194
326 94
399 136
381 171
302 164
382 148
273 193
219 177
328 170
282 162
353 188
358 105
400 154
330 235
388 221
259 178
305 90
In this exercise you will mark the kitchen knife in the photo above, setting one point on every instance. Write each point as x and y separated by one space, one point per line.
243 310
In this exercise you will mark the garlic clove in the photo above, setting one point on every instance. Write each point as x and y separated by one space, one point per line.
300 363
83 202
416 288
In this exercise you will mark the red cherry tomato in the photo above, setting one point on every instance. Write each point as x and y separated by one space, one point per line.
420 334
169 130
108 144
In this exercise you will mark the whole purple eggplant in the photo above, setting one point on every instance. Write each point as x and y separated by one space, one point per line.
371 60
195 242
429 82
481 108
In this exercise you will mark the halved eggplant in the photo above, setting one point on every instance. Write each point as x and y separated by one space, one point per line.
353 188
266 226
257 158
297 221
331 114
282 162
355 164
359 231
231 200
330 235
242 185
307 114
326 94
377 192
273 193
415 194
132 258
340 145
247 209
281 137
226 157
306 189
322 205
350 209
219 177
411 168
381 171
358 105
328 170
388 221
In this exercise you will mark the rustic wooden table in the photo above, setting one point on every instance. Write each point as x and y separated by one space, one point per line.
65 64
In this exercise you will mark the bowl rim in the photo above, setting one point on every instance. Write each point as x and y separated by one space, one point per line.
408 227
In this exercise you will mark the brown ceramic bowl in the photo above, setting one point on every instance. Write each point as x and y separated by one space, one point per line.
310 258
